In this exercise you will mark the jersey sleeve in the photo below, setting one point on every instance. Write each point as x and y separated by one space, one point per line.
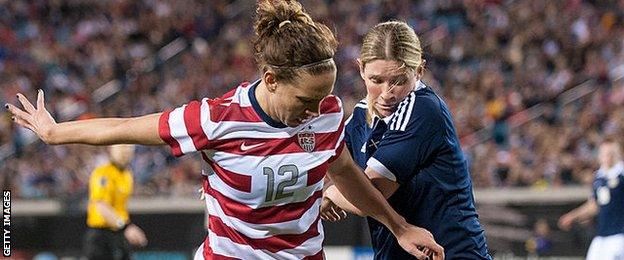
348 129
333 105
184 128
99 185
413 137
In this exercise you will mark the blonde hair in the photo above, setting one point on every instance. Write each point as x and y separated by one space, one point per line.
393 40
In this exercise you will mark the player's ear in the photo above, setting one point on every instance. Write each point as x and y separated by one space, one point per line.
420 72
270 80
361 67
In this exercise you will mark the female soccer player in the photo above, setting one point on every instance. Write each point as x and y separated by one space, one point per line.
269 143
404 137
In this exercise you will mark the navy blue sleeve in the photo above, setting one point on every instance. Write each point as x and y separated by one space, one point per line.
348 130
415 134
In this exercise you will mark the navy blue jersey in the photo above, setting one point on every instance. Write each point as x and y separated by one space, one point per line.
608 190
418 148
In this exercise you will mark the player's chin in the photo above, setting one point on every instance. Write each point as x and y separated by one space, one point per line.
385 111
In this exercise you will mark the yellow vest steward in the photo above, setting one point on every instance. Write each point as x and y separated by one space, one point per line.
111 186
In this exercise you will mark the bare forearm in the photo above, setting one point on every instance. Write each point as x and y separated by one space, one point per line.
360 192
107 131
586 211
334 195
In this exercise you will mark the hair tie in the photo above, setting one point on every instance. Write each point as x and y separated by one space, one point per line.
283 23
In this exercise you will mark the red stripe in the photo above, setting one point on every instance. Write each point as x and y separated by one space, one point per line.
330 104
341 145
317 173
274 146
230 93
318 256
192 121
338 152
165 133
272 244
209 255
237 181
224 110
264 215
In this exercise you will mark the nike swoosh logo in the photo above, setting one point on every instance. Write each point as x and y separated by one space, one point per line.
244 147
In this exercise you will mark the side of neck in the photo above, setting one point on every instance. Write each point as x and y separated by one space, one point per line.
263 96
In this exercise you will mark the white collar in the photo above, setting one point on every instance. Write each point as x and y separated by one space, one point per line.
612 172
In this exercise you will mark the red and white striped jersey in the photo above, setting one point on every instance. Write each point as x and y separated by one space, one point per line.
264 196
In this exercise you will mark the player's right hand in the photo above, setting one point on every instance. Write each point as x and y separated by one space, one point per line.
36 119
420 243
135 235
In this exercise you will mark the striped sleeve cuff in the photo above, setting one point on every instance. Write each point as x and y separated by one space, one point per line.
164 131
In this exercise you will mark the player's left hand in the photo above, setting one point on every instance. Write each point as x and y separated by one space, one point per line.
331 212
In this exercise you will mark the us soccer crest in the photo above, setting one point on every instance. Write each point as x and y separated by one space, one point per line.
306 140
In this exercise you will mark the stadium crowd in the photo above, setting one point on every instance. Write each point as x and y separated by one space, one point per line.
491 60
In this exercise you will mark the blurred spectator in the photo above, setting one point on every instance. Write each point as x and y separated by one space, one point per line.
540 242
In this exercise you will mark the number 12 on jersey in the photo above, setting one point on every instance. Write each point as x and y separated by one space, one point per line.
271 195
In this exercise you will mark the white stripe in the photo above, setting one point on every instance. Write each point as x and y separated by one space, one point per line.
326 123
348 120
393 119
398 115
204 115
251 230
342 136
242 96
252 165
364 106
256 198
380 168
395 115
412 99
199 253
178 130
225 246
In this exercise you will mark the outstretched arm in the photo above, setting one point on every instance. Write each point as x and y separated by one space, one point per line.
101 131
359 191
583 212
385 186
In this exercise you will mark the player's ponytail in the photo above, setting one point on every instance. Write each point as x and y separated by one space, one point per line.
288 40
